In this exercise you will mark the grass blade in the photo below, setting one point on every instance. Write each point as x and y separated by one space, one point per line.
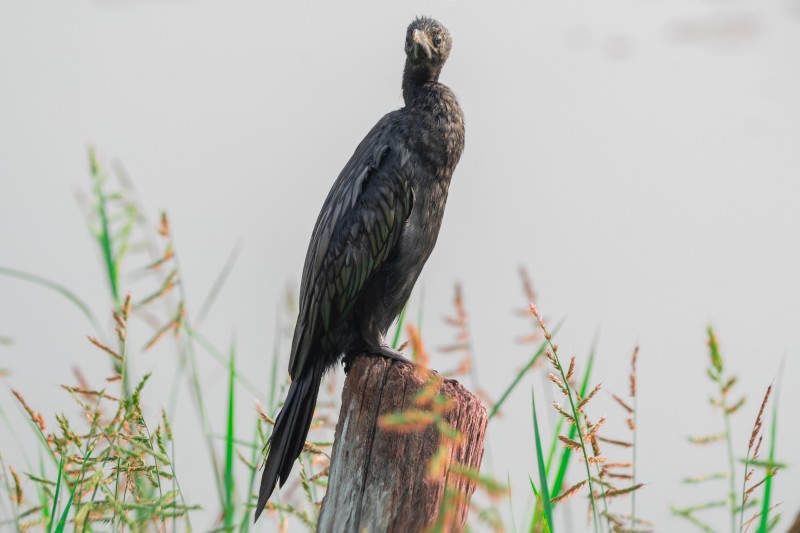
520 375
63 520
548 511
58 491
229 439
222 277
104 238
764 523
565 455
60 289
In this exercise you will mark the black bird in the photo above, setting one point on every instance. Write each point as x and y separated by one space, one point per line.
376 229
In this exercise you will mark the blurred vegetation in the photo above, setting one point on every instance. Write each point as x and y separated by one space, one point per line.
111 469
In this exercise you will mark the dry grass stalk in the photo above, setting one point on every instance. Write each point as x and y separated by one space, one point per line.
758 447
591 395
593 438
36 418
569 443
565 414
527 289
419 353
570 492
622 403
322 473
17 496
708 439
527 286
463 342
752 488
753 448
173 324
528 339
705 477
89 392
535 312
263 415
163 227
552 359
620 492
735 407
555 379
729 384
488 400
601 481
757 516
615 442
105 348
165 257
169 283
571 371
633 371
759 419
593 431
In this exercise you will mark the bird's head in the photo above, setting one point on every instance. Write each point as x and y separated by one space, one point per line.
427 46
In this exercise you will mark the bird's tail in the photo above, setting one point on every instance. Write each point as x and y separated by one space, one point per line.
290 431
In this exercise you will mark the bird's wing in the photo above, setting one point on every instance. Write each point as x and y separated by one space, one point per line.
359 225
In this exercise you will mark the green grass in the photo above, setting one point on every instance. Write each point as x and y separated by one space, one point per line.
735 506
766 523
230 436
543 490
110 464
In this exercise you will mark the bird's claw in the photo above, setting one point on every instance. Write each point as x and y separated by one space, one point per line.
384 351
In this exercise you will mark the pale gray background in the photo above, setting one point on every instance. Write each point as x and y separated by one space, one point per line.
640 157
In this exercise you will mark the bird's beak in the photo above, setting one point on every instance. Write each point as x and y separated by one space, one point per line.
422 42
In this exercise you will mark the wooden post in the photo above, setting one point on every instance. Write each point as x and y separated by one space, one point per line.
378 478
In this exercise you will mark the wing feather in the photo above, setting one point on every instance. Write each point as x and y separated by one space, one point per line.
360 223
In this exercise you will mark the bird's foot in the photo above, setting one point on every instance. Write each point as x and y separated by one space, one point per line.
384 351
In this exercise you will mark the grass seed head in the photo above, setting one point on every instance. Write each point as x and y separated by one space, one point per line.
17 496
622 403
759 419
593 431
586 400
571 370
36 418
570 492
565 414
555 379
633 371
569 443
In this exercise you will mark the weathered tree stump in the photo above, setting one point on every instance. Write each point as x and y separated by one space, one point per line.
378 476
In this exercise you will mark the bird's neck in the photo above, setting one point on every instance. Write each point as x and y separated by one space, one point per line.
417 81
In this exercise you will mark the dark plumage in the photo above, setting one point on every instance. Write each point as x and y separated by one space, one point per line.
376 229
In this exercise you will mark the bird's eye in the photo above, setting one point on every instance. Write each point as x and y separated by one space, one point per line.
437 40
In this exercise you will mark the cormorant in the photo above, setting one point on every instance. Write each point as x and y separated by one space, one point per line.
374 233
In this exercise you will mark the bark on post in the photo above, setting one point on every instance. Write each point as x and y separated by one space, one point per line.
377 478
